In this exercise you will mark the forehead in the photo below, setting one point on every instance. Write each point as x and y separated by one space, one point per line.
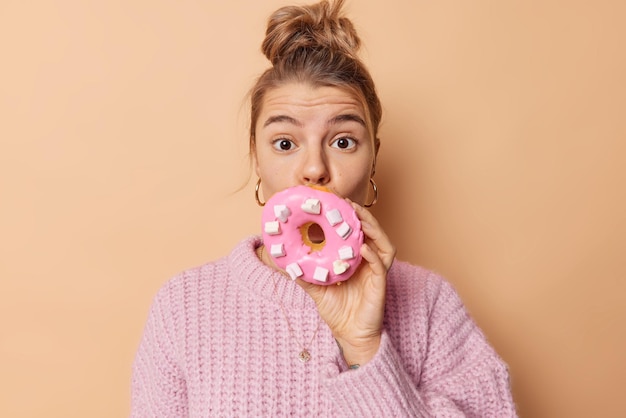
303 98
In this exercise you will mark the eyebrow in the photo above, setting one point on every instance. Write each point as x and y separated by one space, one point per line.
348 117
281 118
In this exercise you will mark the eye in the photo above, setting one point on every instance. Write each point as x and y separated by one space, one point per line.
283 144
344 143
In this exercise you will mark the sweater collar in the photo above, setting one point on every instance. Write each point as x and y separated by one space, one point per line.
252 274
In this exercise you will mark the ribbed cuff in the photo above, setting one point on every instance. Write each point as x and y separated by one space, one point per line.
380 388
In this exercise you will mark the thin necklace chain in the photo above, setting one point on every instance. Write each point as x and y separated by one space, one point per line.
305 354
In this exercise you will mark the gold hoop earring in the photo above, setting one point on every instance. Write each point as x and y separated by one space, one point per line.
256 193
373 202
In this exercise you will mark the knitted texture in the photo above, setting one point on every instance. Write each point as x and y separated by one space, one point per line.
217 344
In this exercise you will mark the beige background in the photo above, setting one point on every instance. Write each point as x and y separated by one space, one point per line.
123 144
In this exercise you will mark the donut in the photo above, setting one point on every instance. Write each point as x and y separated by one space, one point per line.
286 221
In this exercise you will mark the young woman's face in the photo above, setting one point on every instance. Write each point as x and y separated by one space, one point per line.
315 136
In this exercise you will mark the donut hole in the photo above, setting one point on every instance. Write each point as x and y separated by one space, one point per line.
313 236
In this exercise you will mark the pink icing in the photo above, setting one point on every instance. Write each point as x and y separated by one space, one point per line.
296 251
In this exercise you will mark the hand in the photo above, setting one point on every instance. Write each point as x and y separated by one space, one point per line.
354 310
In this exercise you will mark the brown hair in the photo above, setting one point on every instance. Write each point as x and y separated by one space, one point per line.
315 44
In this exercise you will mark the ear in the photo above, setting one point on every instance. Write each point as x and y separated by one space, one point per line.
255 162
376 148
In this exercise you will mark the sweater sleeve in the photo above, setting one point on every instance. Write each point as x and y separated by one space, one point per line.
461 375
158 386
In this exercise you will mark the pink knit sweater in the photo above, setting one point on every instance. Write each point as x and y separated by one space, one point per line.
216 344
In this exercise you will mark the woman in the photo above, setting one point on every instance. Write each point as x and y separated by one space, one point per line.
236 338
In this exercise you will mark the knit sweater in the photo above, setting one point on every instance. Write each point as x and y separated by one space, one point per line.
217 343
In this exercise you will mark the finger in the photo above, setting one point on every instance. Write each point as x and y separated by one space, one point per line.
381 244
375 262
363 214
378 271
378 239
371 227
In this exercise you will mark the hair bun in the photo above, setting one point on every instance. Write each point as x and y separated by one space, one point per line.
319 26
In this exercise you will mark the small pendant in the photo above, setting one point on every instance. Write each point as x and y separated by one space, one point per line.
304 356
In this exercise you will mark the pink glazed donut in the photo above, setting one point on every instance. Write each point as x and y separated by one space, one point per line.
287 217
